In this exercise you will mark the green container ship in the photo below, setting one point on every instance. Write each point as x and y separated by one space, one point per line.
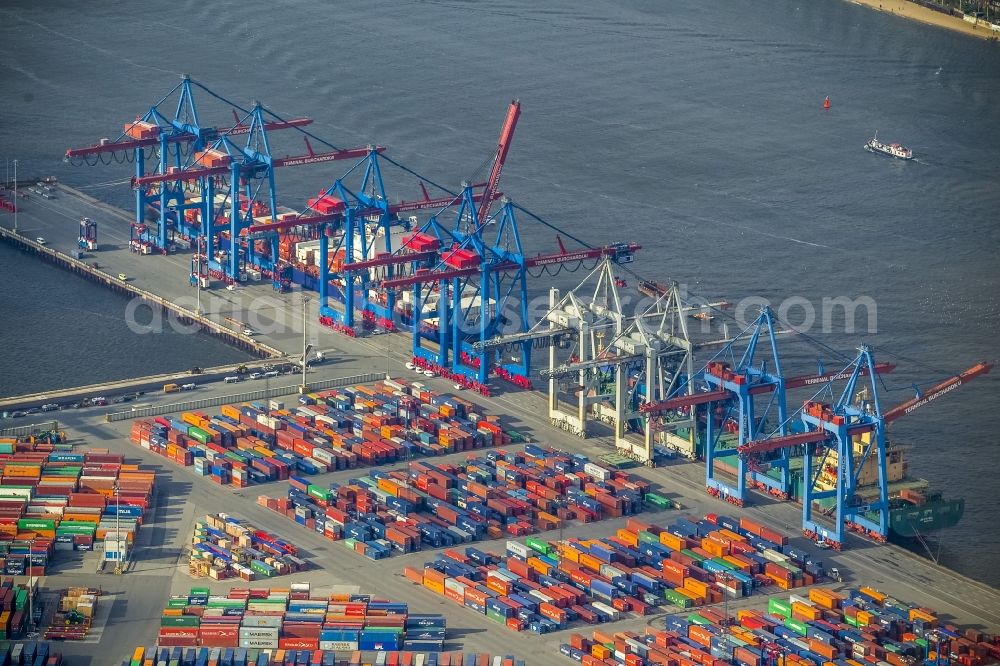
914 509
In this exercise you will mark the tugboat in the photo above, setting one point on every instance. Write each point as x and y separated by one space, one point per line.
890 149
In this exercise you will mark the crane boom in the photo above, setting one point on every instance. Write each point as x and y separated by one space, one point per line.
612 251
776 443
503 147
195 174
677 402
403 206
235 130
936 392
809 380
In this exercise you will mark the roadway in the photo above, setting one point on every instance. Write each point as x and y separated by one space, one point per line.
160 567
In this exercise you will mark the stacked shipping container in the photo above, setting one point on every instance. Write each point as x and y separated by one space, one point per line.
326 431
256 657
223 546
643 565
293 619
29 654
13 609
444 505
56 500
825 628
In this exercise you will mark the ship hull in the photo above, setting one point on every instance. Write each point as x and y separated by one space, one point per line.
907 523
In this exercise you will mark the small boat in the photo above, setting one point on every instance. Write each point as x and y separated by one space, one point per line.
890 149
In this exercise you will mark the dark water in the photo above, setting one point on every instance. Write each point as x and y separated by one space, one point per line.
63 331
693 128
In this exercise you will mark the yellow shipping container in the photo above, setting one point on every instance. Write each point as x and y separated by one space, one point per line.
874 594
434 586
389 486
672 541
824 597
805 610
698 587
630 538
732 536
230 411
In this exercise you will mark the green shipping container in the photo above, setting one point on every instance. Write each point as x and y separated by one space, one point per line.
776 606
693 555
197 433
75 529
723 563
658 500
677 599
238 457
200 592
177 602
33 524
798 627
319 492
537 544
496 616
180 621
695 618
648 537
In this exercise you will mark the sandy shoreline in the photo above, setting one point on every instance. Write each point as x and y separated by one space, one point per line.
915 12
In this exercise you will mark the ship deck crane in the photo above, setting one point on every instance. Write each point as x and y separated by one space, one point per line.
839 427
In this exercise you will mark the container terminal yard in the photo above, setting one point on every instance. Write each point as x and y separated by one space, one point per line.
620 389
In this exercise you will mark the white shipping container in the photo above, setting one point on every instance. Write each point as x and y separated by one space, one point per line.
339 646
802 600
455 586
541 596
259 632
503 575
518 549
597 472
318 463
604 608
611 572
323 456
262 644
262 621
774 556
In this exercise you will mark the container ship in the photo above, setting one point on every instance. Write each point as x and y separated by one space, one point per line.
915 510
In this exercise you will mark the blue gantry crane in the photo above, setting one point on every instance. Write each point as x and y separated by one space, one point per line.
158 143
744 394
205 181
852 427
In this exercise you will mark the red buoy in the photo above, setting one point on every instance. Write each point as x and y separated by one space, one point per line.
826 102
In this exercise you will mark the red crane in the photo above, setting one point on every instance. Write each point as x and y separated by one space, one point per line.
684 401
422 277
791 382
775 443
936 392
503 147
338 212
218 170
142 134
